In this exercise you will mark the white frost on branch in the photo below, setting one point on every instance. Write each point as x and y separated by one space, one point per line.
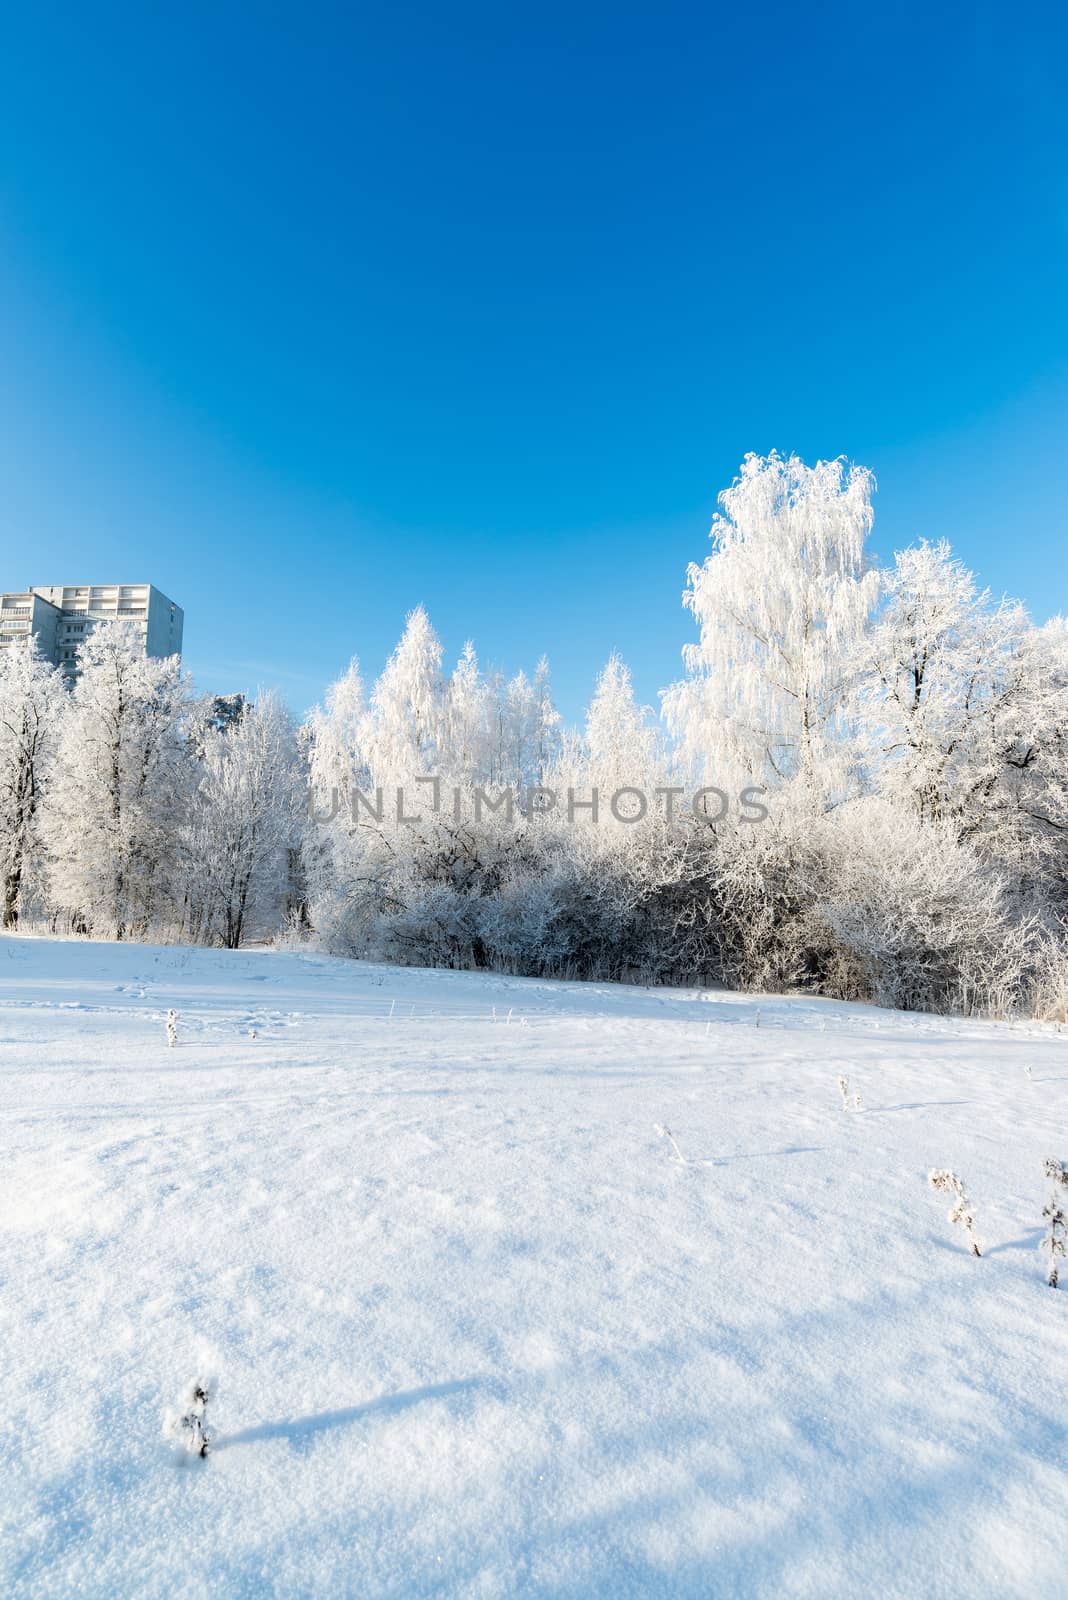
961 1212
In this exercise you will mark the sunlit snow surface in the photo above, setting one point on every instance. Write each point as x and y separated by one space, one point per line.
477 1331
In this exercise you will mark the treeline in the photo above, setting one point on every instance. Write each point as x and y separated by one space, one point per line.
878 756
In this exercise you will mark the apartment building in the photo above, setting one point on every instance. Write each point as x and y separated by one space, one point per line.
25 615
60 617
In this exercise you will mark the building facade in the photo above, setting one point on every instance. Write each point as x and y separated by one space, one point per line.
60 618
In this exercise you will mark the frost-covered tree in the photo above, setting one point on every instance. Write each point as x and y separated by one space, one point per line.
363 758
438 871
408 713
546 727
517 720
244 824
339 732
334 741
32 702
120 785
621 745
529 729
1027 828
781 604
468 722
966 703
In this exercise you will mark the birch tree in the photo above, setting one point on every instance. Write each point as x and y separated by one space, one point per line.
781 604
121 783
407 703
244 824
32 702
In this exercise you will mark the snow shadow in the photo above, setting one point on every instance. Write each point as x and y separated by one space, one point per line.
298 1429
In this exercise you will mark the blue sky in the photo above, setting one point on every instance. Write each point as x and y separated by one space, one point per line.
310 313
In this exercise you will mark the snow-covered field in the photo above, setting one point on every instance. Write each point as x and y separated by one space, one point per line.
477 1332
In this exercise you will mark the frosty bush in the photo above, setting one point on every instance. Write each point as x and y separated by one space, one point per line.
911 917
1050 999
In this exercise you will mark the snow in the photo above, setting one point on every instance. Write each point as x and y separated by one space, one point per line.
476 1330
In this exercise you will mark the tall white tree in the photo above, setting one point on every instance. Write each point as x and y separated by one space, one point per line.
781 603
547 733
407 704
531 723
467 731
120 786
244 825
338 736
335 741
32 701
967 706
1038 767
620 744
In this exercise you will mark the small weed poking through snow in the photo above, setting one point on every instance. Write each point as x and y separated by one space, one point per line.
665 1133
1054 1218
847 1103
187 1427
947 1182
172 1029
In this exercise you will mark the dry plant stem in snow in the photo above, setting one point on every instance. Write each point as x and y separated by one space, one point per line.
188 1425
172 1029
666 1133
848 1104
1053 1215
947 1182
